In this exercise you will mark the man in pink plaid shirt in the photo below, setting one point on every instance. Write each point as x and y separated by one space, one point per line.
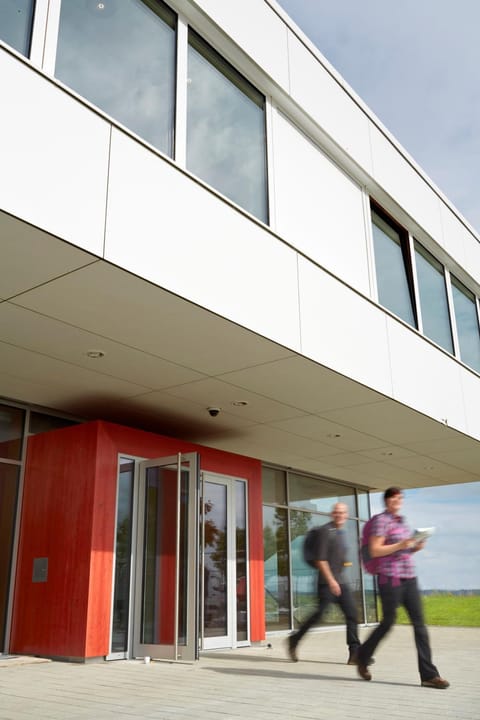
391 542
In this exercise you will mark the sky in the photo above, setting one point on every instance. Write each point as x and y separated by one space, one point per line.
416 63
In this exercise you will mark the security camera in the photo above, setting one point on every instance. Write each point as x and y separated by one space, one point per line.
213 411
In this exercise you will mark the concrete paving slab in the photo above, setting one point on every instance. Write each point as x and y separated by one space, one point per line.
256 682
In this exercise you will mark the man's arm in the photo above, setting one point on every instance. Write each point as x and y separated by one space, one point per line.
324 568
378 548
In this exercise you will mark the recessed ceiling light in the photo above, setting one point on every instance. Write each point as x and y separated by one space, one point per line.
239 403
95 354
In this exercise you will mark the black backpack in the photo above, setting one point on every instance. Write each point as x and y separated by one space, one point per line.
310 547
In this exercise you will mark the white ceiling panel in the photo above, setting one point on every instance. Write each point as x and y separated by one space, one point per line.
298 382
113 304
213 392
30 257
338 437
53 338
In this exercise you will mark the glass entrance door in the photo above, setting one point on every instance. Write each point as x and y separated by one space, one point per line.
165 617
224 562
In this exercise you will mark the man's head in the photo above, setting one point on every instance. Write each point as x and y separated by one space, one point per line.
339 514
393 498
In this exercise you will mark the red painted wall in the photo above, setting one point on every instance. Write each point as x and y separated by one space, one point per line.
68 515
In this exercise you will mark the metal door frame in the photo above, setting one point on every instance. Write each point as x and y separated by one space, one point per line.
174 652
231 638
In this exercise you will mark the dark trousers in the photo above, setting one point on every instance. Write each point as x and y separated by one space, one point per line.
406 593
347 605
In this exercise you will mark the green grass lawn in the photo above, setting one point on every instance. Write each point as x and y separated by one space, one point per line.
444 609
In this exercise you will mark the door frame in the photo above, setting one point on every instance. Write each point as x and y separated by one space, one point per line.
230 640
174 651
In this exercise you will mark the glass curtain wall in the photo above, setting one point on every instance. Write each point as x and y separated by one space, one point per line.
16 18
226 143
120 55
432 292
12 423
466 317
294 503
394 282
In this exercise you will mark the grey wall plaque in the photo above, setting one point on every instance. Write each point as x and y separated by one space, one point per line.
40 570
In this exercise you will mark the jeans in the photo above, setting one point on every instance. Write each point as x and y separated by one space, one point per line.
405 593
347 605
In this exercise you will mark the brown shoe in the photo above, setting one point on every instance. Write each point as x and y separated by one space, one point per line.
292 647
363 671
436 682
353 658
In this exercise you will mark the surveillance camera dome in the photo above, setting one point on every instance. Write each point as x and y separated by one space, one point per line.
213 411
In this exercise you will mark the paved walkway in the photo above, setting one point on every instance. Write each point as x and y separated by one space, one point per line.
253 683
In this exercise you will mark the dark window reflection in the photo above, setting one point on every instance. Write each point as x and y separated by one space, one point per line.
274 486
276 568
241 560
9 478
120 55
11 432
319 495
123 549
16 18
215 560
40 422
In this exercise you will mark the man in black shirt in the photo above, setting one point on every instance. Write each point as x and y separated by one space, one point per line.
331 560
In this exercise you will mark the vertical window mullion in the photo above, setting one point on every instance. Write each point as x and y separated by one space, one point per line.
368 221
417 305
39 30
180 151
269 144
451 311
51 37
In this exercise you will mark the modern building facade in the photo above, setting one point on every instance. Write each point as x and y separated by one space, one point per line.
228 299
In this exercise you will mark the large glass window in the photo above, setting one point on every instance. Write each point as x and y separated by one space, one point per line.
309 493
226 129
276 568
394 284
11 432
16 23
120 55
290 583
433 298
467 324
9 481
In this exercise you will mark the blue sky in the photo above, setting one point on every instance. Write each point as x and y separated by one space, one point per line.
416 63
451 557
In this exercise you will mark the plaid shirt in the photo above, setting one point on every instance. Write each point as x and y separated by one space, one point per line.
399 565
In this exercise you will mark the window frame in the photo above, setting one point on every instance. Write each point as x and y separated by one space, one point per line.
407 257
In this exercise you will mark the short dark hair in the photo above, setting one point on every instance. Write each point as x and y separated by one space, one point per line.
391 492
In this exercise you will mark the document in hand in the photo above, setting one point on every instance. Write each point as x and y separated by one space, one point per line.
421 534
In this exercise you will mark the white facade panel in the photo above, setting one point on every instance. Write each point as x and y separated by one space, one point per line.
54 157
471 395
172 231
454 234
424 377
399 180
257 29
319 210
342 330
323 98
